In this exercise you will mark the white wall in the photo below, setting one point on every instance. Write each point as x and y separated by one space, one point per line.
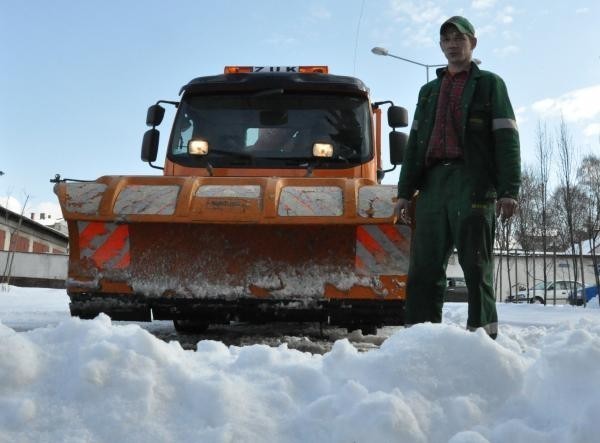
46 266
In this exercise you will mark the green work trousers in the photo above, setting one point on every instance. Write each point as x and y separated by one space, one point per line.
446 217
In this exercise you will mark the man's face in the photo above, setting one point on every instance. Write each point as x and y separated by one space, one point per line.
457 47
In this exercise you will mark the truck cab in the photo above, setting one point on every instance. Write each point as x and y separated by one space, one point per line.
289 122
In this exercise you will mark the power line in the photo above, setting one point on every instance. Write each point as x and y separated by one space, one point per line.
362 7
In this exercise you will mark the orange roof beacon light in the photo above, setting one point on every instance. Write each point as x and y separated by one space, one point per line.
313 69
238 69
276 69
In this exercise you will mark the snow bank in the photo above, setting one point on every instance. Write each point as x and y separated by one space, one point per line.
93 381
28 308
593 303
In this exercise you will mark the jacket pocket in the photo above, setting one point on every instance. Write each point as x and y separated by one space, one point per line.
479 118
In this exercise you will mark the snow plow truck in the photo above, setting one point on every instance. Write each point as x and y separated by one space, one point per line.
270 207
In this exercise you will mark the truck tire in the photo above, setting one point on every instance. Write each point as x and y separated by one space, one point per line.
364 329
190 326
368 330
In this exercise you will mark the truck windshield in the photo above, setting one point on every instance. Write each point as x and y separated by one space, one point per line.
273 129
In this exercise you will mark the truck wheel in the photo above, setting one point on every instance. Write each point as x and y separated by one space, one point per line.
190 326
364 329
369 330
537 301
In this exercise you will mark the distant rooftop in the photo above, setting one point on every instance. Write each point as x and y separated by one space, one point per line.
50 225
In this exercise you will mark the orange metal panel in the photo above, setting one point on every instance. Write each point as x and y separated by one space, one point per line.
276 260
183 171
389 288
190 207
115 287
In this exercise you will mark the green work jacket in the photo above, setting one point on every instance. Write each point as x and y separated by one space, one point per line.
488 135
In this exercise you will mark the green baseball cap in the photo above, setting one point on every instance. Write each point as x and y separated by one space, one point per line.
463 25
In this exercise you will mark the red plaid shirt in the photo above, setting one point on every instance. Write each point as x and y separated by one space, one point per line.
444 142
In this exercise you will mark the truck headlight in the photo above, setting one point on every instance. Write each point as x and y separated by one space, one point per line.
198 147
323 150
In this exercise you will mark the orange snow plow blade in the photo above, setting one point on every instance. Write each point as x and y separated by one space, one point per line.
221 248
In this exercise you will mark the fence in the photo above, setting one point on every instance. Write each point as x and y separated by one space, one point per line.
520 270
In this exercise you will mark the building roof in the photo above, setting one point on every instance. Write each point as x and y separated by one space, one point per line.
32 224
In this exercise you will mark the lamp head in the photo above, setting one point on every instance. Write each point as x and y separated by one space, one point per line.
379 51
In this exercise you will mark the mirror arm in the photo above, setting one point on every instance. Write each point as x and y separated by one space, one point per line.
376 105
169 102
381 173
156 167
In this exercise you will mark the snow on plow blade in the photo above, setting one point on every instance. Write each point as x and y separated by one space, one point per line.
218 249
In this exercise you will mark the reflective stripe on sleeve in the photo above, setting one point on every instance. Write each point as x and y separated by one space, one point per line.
504 123
415 125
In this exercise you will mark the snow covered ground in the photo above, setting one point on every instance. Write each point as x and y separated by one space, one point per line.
67 380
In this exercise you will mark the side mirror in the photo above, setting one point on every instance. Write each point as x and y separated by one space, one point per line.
398 141
155 115
150 145
397 117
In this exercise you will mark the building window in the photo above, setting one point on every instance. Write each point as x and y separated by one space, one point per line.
19 243
40 247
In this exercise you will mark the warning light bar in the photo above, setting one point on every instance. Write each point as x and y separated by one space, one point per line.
276 69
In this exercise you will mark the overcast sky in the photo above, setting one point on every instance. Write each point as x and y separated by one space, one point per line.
77 77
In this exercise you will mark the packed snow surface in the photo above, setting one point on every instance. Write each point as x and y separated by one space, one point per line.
68 380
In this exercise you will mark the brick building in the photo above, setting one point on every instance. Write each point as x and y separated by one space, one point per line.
21 234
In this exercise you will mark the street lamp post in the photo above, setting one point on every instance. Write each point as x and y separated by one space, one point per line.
383 51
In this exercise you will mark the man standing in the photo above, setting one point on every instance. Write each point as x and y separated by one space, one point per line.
463 159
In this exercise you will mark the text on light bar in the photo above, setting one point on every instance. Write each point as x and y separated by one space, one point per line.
276 69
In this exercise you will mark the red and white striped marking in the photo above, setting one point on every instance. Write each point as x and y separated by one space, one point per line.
106 244
382 249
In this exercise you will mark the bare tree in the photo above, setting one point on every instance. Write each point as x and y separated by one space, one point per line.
545 148
566 155
589 180
559 215
12 246
525 221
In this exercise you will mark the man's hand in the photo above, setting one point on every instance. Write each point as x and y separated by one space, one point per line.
506 208
401 210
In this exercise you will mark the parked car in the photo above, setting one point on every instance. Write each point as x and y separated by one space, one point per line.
536 294
456 290
576 297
